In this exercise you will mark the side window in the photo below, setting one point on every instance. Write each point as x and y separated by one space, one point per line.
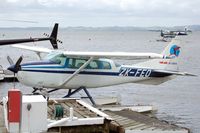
95 64
79 63
61 60
70 63
106 65
92 65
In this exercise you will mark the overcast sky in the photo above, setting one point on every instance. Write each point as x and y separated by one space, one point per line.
98 13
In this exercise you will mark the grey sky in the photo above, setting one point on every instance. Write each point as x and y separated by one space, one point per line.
97 13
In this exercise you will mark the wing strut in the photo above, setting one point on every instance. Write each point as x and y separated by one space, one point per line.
76 72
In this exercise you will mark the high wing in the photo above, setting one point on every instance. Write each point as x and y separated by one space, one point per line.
115 55
33 48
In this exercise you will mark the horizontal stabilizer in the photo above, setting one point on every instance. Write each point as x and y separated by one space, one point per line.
175 73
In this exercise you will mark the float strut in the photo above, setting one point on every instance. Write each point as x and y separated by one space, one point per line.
52 90
89 96
70 93
34 90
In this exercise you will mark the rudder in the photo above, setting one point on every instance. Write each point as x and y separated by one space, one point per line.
173 51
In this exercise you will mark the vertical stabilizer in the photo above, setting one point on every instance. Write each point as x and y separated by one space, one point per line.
172 50
53 36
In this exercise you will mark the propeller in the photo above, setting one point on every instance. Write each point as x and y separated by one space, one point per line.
10 60
16 67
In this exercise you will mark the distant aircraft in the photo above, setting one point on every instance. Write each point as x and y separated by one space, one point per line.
167 34
181 32
80 70
174 33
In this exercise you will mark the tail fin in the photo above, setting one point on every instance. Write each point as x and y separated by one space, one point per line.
53 36
173 51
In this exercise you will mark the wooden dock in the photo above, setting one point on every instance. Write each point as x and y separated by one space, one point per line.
2 123
81 111
124 121
127 121
7 76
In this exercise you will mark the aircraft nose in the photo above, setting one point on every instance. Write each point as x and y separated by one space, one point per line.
12 68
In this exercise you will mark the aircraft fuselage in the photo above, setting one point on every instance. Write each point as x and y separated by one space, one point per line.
99 73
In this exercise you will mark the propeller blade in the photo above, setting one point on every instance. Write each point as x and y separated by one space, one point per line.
10 60
16 67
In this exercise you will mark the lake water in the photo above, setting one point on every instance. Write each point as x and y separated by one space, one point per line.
177 100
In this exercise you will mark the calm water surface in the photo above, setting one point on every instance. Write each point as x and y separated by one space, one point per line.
177 101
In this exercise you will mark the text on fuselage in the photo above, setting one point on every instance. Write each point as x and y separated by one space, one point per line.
135 72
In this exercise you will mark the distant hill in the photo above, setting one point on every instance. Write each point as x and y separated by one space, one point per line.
194 27
189 27
112 28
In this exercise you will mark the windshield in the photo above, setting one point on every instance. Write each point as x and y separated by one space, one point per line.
56 57
52 55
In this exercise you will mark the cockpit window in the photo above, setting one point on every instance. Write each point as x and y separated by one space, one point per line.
95 64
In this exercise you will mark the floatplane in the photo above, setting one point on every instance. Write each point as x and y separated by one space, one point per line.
173 33
77 71
167 34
